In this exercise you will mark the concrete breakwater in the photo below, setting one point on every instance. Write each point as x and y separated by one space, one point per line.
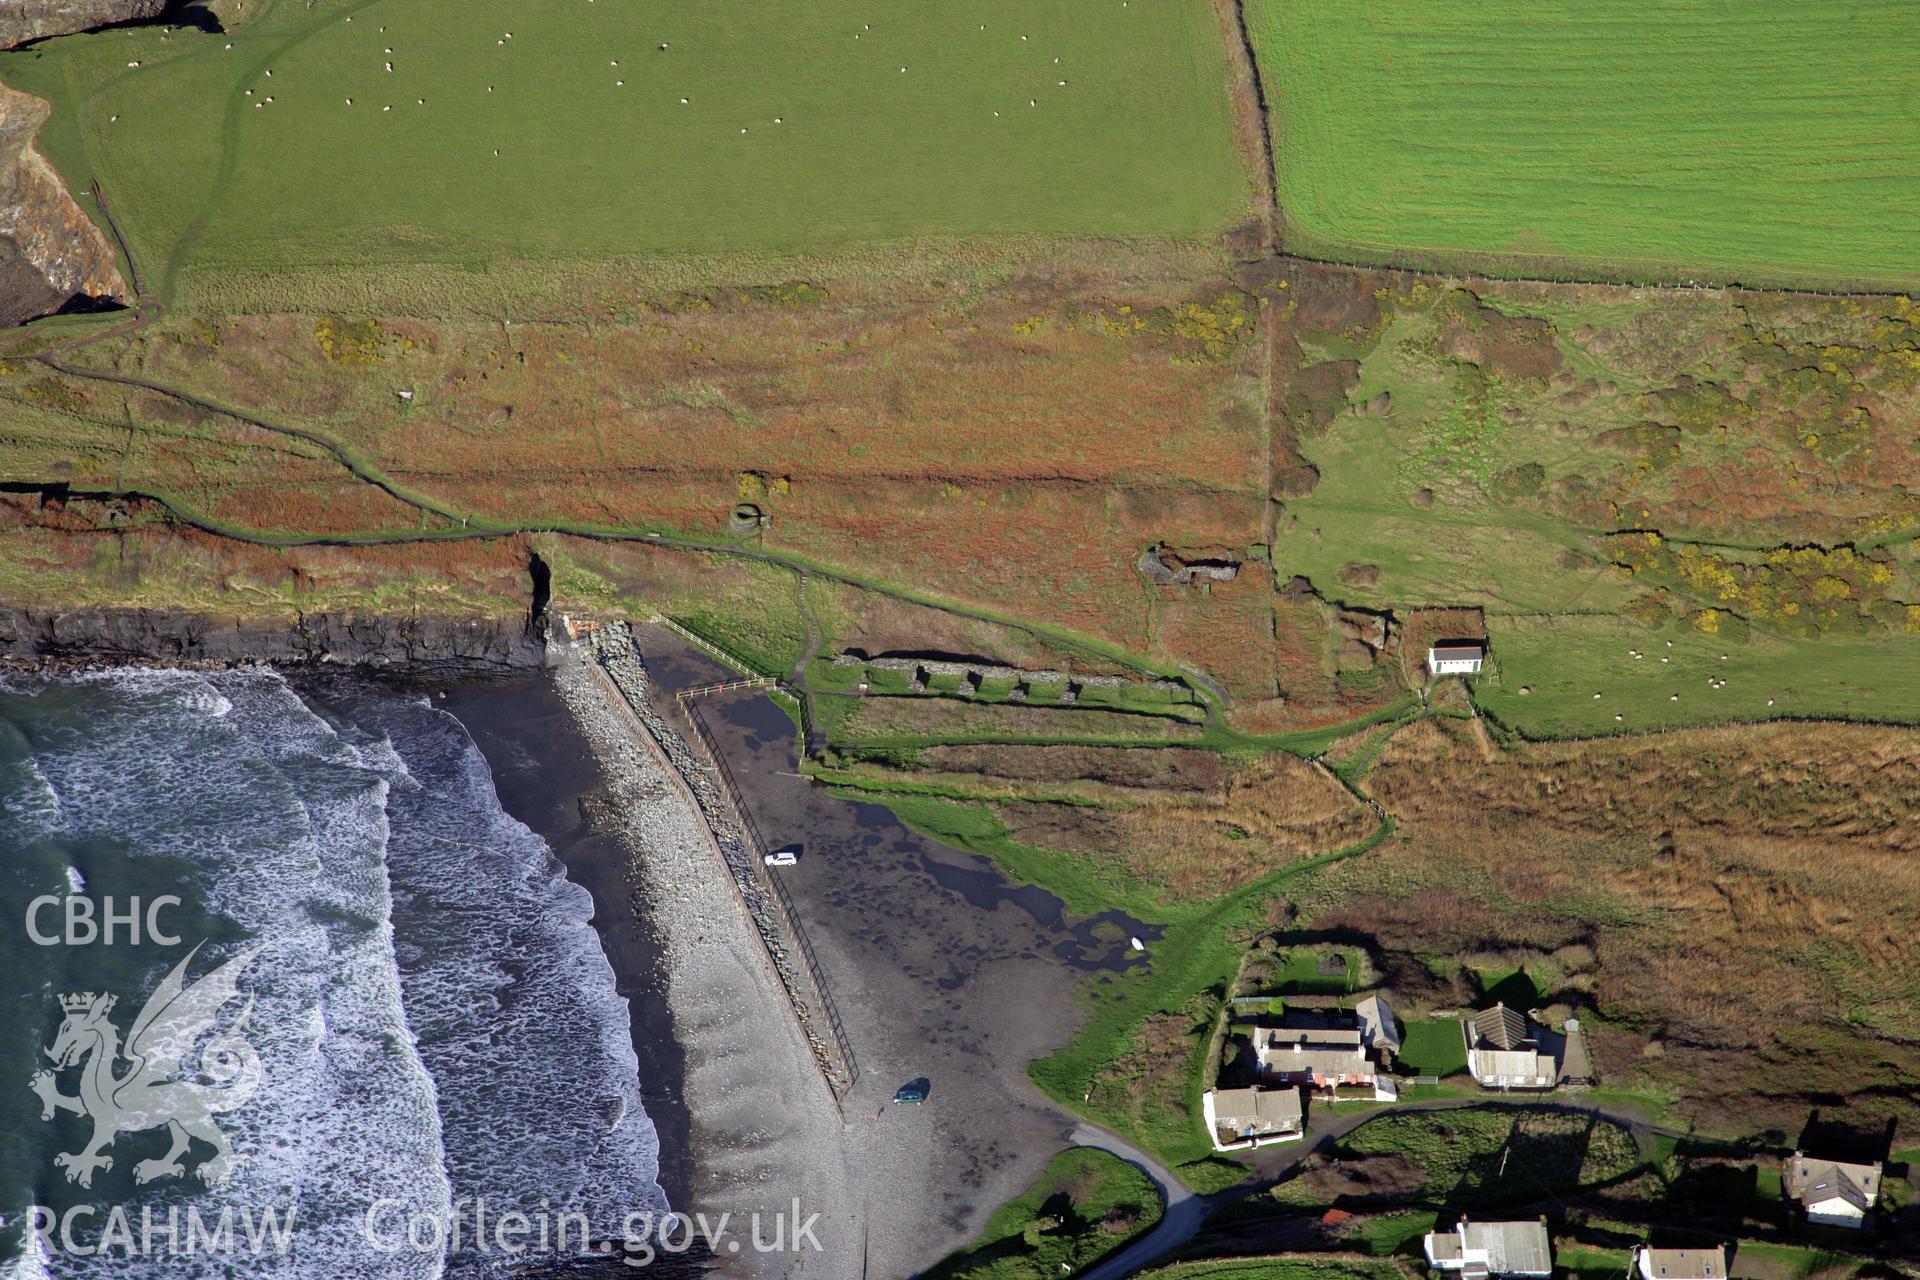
765 1127
614 654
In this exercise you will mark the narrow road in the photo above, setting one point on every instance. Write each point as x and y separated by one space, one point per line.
1186 1212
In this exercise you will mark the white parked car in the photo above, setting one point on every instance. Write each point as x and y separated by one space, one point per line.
786 857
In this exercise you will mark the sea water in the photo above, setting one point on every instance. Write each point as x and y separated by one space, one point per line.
436 1026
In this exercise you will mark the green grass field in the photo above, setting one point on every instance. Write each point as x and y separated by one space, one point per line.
1770 142
1060 1224
1565 661
805 128
1433 1047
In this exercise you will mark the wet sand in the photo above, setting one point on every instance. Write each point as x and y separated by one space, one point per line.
942 967
546 777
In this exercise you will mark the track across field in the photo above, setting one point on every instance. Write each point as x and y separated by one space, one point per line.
371 133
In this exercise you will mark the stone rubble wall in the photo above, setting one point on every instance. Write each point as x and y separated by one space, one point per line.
976 674
613 648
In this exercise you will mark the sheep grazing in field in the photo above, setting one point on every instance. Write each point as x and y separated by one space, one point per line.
270 69
349 101
778 120
618 83
133 64
389 66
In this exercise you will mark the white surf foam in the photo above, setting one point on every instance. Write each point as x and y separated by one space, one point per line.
431 998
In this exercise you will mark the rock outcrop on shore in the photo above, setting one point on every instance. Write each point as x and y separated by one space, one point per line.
386 640
52 256
25 20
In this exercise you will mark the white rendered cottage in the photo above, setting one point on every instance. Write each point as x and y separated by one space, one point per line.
1479 1250
1456 657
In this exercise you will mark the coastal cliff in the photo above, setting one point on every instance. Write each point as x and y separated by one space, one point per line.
25 20
394 640
52 256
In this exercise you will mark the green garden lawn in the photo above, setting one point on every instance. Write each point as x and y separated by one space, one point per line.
1669 140
615 130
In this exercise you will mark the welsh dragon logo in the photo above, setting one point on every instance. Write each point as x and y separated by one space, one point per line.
171 1078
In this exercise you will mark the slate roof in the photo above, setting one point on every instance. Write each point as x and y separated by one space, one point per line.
1513 1248
1376 1023
1501 1028
1263 1110
1684 1264
1813 1182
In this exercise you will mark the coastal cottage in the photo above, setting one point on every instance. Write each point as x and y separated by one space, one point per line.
1681 1264
1832 1192
1319 1058
1456 657
1252 1117
1378 1031
1478 1250
1504 1053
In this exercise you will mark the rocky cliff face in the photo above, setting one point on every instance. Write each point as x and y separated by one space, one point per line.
52 256
384 640
24 20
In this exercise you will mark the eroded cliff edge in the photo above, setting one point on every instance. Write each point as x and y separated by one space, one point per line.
52 256
22 21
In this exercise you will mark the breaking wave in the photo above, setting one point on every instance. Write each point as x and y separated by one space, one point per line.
435 1018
